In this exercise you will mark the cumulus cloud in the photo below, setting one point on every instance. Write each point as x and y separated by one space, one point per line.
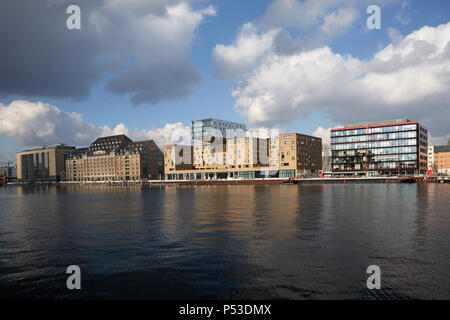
407 79
240 57
316 20
38 123
324 134
394 35
141 46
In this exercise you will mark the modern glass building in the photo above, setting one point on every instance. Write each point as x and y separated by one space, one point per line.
209 128
43 164
395 147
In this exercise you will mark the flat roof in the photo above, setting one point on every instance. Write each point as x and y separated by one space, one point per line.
375 124
55 146
438 149
215 119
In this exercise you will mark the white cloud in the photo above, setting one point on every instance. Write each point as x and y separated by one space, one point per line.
394 35
38 123
404 15
286 13
309 13
240 57
339 21
407 79
318 21
158 34
141 47
324 133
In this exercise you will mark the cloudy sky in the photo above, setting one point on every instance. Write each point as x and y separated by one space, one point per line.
147 67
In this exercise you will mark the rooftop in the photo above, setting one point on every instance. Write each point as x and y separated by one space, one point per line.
438 149
376 123
53 146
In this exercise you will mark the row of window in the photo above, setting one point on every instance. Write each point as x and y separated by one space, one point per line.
375 144
381 158
375 151
375 166
375 137
353 132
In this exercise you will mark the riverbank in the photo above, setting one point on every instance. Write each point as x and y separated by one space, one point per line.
271 181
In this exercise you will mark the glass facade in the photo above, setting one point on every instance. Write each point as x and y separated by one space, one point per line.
213 128
379 150
35 166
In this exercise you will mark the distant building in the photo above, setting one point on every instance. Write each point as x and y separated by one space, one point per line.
115 158
284 156
10 172
210 129
442 159
431 163
43 164
380 148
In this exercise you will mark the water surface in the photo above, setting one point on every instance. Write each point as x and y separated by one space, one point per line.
226 242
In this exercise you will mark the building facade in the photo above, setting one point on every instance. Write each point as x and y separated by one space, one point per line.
431 159
43 164
442 159
285 156
395 147
10 172
115 158
208 129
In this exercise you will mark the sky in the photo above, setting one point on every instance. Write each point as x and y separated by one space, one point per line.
146 68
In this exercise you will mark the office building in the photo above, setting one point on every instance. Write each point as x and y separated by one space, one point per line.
115 158
395 147
442 159
10 172
287 155
43 164
430 159
210 129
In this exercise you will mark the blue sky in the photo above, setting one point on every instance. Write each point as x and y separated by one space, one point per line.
212 96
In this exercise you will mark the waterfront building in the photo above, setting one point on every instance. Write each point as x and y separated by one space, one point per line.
431 163
210 129
380 148
43 164
284 156
442 159
115 158
10 172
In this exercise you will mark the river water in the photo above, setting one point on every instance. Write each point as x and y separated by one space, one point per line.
225 242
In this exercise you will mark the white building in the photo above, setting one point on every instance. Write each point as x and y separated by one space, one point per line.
431 158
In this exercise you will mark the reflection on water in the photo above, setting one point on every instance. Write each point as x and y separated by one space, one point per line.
286 241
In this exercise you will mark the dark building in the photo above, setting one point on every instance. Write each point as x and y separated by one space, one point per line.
380 148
